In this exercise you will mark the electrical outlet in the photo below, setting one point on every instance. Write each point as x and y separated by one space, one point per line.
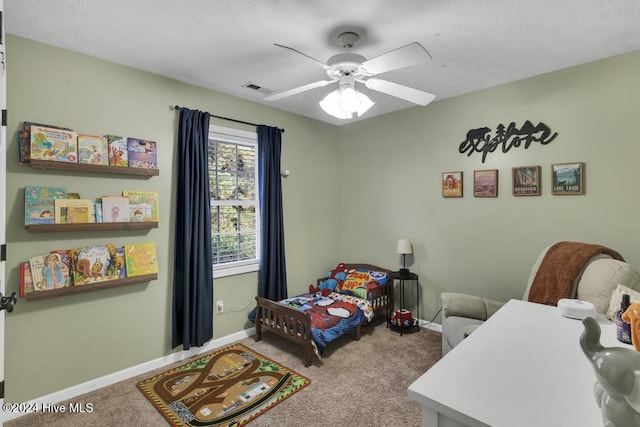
219 306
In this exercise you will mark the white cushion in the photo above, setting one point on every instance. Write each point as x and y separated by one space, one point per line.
601 277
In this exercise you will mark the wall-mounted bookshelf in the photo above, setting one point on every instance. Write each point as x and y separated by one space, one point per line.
81 167
92 226
107 284
96 262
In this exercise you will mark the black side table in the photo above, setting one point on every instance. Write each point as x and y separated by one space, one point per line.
410 278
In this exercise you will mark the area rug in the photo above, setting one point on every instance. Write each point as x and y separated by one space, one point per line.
227 387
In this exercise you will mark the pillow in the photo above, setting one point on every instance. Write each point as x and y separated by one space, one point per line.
601 277
616 300
358 281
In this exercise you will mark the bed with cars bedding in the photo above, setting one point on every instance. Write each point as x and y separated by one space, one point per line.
348 297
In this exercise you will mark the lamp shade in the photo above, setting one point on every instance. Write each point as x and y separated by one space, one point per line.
404 247
344 103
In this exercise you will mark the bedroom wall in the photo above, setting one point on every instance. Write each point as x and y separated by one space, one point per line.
56 343
486 246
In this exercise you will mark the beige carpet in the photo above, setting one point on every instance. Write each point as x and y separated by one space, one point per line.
357 383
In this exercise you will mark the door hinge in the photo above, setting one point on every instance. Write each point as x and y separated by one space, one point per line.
3 253
4 117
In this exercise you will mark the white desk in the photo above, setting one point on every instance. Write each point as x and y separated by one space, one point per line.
523 367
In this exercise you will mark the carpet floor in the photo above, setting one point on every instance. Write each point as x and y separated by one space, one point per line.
357 383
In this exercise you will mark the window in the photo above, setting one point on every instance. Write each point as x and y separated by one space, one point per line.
233 183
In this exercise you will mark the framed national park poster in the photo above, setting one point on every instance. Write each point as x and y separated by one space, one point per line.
526 181
485 183
567 178
452 184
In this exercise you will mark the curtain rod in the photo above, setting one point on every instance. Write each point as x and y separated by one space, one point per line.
177 107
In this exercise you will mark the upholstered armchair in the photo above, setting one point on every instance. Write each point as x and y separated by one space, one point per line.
572 270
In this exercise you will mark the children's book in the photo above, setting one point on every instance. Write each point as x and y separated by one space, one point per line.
141 259
49 271
74 211
142 153
54 144
24 147
64 256
36 265
115 209
121 265
143 205
93 150
93 264
118 154
39 204
24 140
26 283
97 207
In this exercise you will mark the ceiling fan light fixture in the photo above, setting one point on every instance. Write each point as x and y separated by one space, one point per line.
331 105
365 103
343 103
349 100
347 68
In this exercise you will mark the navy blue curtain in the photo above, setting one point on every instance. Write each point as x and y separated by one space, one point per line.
192 322
272 277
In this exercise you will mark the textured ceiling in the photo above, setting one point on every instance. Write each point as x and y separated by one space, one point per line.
224 44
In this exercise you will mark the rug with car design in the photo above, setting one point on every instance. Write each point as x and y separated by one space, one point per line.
227 387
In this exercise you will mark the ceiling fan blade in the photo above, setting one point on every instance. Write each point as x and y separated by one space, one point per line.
298 89
317 61
394 89
405 56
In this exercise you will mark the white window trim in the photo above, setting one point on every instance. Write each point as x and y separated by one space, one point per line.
250 138
234 269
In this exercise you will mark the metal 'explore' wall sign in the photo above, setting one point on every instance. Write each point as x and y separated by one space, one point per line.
480 140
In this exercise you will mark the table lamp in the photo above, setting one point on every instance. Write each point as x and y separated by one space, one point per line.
404 248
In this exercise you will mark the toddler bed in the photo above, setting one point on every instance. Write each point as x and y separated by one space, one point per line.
348 297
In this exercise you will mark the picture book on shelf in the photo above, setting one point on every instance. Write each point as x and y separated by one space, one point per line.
97 207
143 205
142 153
94 264
54 144
93 150
118 154
36 264
121 265
24 140
65 259
26 283
39 204
48 272
115 209
24 147
74 211
141 259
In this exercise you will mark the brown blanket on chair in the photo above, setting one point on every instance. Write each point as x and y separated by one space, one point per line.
560 267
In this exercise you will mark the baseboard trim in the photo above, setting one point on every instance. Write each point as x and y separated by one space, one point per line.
430 325
86 387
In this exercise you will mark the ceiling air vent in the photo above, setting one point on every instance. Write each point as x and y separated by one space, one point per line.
258 88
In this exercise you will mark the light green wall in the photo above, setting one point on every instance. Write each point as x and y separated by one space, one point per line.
353 191
487 246
60 342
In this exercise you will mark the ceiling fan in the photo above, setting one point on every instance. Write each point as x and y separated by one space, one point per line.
347 69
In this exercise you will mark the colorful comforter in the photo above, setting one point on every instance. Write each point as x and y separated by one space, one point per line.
332 316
